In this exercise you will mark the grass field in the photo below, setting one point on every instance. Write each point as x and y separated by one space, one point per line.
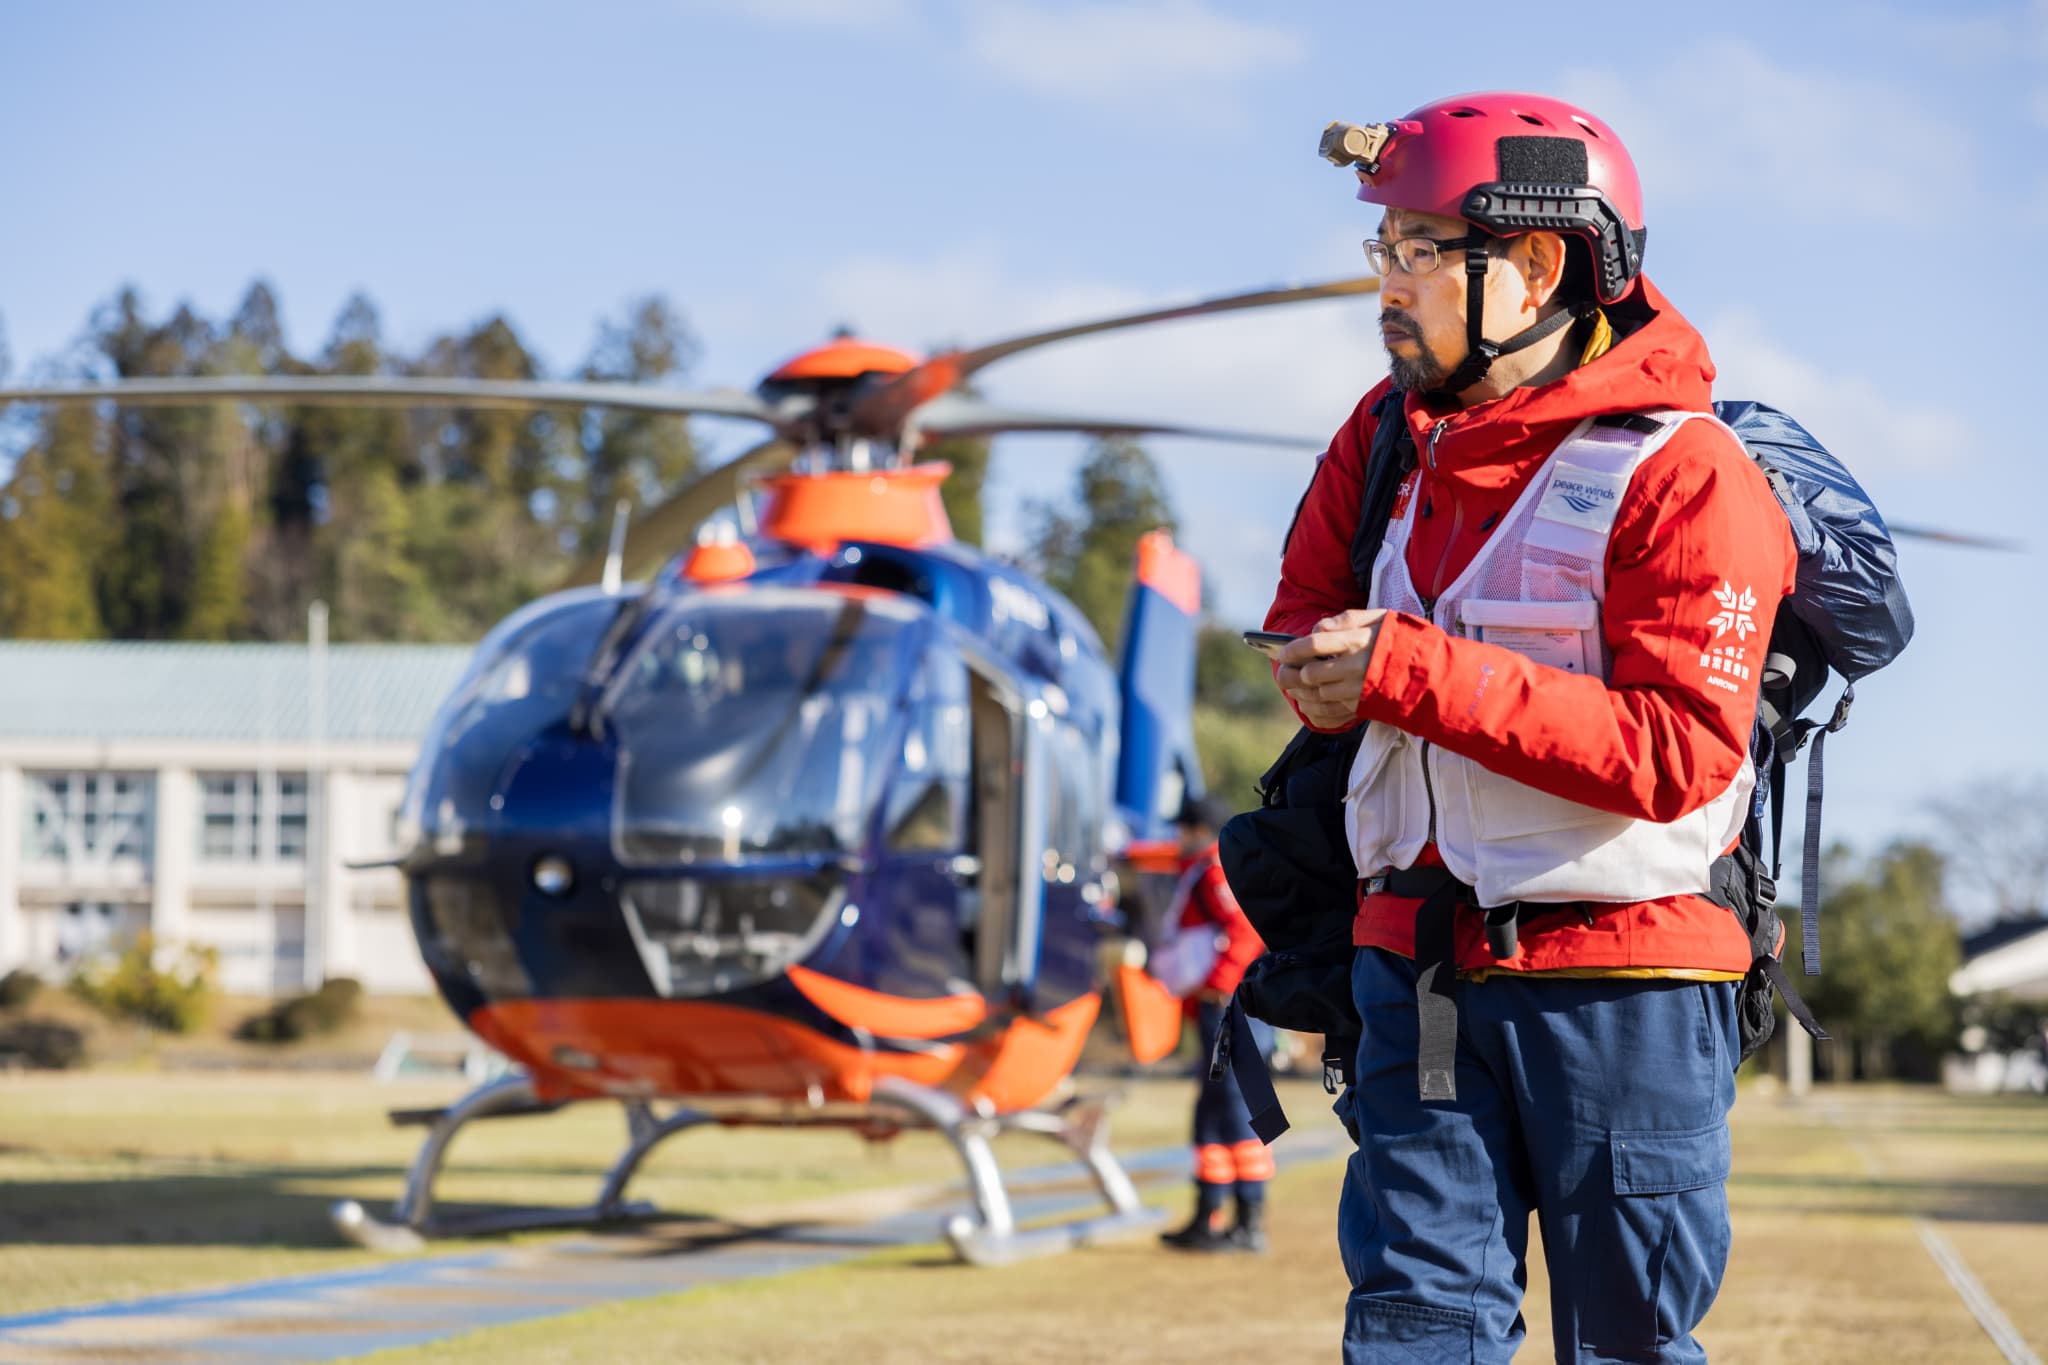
113 1185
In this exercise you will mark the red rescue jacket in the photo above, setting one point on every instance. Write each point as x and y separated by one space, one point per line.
1209 901
1658 739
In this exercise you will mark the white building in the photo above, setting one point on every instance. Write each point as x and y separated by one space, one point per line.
215 795
2009 957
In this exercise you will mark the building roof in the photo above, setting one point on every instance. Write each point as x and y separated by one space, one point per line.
2010 956
1995 936
145 690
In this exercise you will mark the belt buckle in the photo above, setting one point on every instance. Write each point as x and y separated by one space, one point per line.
1376 884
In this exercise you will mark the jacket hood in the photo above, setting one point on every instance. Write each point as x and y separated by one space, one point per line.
1658 361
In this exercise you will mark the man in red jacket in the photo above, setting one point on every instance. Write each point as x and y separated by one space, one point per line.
1229 1158
1555 656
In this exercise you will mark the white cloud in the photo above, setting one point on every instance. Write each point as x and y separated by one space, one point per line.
1725 122
1179 52
1864 424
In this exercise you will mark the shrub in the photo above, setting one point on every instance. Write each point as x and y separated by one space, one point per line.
132 986
18 987
304 1016
42 1043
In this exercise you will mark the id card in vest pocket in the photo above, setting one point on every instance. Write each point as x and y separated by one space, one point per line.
1557 634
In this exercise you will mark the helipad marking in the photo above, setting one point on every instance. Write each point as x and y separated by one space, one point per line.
347 1313
1968 1287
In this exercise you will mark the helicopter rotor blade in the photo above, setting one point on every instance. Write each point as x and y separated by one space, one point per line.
1957 538
958 415
885 410
401 392
663 530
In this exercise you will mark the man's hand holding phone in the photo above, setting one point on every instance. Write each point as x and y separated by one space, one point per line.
1324 671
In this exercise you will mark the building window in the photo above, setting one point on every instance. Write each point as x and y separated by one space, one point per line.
84 817
228 824
252 817
291 817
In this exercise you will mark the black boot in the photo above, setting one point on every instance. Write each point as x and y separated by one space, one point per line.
1204 1231
1250 1232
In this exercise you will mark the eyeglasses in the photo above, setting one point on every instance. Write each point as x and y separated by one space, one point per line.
1416 255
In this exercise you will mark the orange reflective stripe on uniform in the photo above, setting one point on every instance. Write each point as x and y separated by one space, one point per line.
1215 1164
1252 1160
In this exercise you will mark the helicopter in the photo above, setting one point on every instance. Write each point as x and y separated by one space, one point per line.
824 821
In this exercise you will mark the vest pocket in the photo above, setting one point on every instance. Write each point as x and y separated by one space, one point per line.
1557 634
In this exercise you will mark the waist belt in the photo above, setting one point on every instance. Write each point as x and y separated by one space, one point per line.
1436 967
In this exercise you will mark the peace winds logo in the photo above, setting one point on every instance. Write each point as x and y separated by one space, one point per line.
1735 612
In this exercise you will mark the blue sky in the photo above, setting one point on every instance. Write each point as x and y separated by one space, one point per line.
1850 201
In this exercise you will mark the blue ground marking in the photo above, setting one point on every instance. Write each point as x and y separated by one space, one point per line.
341 1314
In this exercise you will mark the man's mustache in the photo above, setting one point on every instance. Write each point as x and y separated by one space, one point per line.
1400 321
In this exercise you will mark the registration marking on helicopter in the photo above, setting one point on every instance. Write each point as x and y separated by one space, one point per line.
410 1302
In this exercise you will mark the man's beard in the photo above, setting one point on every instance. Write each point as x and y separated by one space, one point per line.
1419 373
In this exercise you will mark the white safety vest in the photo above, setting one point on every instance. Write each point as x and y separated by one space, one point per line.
1535 587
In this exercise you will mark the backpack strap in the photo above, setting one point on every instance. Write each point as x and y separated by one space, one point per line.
1237 1054
1389 461
1809 862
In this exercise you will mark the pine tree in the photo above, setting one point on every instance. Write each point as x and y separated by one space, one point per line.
53 519
635 457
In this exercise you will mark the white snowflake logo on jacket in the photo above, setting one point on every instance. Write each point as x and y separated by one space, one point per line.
1735 611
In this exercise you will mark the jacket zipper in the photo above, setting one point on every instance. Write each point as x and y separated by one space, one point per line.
1429 613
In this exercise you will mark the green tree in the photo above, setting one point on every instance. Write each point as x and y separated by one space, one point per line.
1232 677
53 522
1088 552
354 475
488 523
962 490
635 457
157 455
215 608
1888 948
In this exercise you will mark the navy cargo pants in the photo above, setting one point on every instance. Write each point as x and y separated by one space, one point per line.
1600 1106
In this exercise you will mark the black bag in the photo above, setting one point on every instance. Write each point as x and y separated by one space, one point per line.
1289 867
1289 862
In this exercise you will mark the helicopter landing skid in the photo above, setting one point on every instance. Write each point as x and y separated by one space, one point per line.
991 1236
413 1218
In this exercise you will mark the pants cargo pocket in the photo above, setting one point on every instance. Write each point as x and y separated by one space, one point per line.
1665 1249
1377 1331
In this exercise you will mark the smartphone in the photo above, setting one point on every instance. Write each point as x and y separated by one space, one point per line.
1269 642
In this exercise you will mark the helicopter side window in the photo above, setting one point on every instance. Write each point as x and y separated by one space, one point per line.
927 805
1073 805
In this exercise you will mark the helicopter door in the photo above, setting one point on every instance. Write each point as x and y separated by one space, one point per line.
1003 939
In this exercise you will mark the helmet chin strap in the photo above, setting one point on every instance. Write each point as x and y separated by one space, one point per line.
1479 352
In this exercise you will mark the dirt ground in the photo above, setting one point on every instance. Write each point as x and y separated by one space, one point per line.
114 1185
1828 1269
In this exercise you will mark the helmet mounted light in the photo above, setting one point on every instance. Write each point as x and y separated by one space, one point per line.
1508 164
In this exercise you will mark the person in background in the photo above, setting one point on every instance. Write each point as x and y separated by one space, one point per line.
1229 1159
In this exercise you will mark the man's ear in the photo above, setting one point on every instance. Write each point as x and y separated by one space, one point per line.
1541 263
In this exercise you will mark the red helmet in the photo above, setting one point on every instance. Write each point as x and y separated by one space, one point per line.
1511 164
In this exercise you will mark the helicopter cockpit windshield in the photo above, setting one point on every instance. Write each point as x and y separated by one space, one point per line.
757 726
